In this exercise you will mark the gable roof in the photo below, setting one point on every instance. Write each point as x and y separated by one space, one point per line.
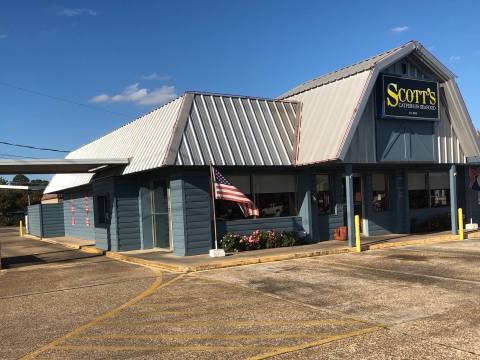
196 129
312 123
333 104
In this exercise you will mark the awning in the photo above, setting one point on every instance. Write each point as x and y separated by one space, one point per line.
57 166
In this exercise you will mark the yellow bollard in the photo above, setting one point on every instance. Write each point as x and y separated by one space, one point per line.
460 223
21 228
357 233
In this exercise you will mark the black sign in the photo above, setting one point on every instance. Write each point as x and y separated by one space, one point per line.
409 98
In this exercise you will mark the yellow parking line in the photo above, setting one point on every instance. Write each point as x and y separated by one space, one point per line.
209 336
288 349
210 348
157 284
230 323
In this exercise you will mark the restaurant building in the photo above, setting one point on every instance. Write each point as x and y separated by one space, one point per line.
388 138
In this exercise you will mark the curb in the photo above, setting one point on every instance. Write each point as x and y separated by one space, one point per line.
274 258
90 249
226 264
256 260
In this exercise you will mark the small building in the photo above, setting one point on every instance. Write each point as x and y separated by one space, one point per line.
388 138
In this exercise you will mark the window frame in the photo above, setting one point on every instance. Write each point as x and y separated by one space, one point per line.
331 191
102 217
386 191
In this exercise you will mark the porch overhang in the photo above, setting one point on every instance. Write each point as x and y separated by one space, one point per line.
57 166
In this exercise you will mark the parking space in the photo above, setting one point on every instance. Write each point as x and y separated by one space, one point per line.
413 302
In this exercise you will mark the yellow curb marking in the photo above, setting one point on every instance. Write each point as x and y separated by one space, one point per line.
209 336
156 285
192 322
288 349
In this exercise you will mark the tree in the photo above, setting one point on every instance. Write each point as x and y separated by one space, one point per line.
14 202
20 180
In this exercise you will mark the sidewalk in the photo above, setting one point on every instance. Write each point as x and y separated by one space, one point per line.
167 261
71 243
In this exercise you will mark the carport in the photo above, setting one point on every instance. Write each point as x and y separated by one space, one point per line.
53 224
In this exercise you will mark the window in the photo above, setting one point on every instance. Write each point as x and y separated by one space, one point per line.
229 210
439 185
102 209
275 195
417 191
404 68
427 190
380 192
323 194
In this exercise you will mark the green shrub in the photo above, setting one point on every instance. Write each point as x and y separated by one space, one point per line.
258 240
231 242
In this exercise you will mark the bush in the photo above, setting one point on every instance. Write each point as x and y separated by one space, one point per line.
258 240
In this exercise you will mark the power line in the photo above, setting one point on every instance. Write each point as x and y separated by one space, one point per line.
65 100
33 147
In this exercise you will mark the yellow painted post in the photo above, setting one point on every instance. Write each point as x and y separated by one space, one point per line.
357 233
21 228
460 223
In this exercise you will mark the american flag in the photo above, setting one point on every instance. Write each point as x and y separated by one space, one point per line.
226 191
474 175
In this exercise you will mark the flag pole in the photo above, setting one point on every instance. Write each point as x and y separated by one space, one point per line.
212 191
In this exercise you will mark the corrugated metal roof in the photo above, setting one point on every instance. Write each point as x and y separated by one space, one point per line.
145 140
193 130
233 130
342 73
327 114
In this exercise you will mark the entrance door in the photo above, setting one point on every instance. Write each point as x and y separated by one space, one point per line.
161 224
357 198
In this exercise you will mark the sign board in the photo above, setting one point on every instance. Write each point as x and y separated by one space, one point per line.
409 98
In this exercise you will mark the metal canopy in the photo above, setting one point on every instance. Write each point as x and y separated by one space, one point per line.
56 166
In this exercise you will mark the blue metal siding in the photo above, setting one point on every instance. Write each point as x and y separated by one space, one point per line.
404 140
177 202
247 226
128 213
197 213
79 229
34 220
52 220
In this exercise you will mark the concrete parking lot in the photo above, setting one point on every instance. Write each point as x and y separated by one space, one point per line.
414 302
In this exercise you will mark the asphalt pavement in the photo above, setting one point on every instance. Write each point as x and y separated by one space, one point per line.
415 302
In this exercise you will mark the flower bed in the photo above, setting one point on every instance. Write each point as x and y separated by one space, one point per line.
258 240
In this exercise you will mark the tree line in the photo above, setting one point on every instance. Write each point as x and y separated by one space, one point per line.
13 203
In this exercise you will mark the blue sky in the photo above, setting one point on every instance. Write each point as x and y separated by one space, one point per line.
126 57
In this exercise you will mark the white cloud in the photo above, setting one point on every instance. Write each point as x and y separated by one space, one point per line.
399 29
138 96
155 76
69 12
454 58
3 36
